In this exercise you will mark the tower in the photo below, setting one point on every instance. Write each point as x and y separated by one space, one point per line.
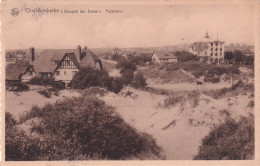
207 37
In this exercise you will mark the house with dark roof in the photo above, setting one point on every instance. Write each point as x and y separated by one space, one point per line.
14 70
62 64
163 57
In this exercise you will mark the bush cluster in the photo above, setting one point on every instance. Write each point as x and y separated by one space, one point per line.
127 69
198 69
49 81
142 59
77 129
231 140
238 56
184 56
89 77
117 57
236 89
211 78
17 87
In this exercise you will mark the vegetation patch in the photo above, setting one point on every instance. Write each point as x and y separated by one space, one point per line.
231 140
181 98
89 77
49 81
235 90
78 129
94 91
17 87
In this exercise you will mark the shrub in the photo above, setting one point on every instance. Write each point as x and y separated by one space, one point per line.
231 140
46 93
81 128
89 77
21 87
34 112
236 89
124 65
116 85
49 81
17 87
20 147
117 57
9 120
184 56
139 81
142 59
212 79
93 91
181 98
127 77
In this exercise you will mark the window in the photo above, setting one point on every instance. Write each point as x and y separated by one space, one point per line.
211 44
211 49
220 54
216 54
65 73
220 49
216 44
205 52
66 62
211 54
57 73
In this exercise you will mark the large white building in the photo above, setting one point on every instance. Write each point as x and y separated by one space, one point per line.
208 50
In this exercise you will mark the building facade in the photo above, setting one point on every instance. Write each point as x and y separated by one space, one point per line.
210 51
161 57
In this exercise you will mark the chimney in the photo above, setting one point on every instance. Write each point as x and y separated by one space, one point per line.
79 53
32 53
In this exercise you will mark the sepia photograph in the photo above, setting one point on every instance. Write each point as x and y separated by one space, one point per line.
122 80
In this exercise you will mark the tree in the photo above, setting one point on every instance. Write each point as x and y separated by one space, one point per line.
124 65
139 81
229 55
127 77
88 77
184 56
238 56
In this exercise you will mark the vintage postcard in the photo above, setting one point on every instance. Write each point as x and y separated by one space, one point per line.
129 82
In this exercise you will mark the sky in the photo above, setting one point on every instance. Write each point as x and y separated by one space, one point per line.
138 26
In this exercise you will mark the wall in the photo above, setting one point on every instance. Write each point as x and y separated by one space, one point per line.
64 77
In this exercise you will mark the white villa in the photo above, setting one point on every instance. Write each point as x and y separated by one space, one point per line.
212 51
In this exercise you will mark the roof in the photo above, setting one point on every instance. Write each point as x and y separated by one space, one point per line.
14 70
164 55
44 62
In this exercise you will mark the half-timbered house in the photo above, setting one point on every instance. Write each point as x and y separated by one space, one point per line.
62 64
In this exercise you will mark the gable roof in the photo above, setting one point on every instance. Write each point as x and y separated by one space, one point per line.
164 55
44 62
